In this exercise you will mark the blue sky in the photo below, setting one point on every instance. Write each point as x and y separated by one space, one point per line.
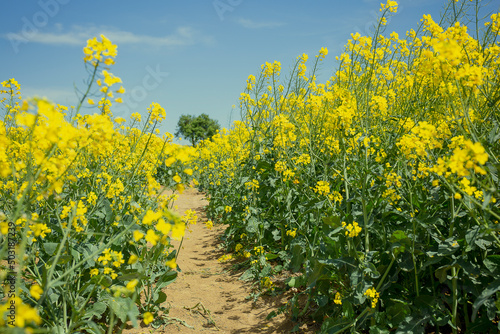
190 56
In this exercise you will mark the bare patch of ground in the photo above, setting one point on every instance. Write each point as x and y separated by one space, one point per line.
207 295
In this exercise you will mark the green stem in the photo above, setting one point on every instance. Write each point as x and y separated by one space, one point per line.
111 322
91 255
385 274
368 309
454 272
355 320
417 289
88 88
365 220
304 310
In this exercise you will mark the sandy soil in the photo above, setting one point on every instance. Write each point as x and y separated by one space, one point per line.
207 295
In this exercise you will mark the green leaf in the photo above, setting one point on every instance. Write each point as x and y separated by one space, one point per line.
162 297
398 236
296 281
315 275
483 243
405 262
442 272
50 247
103 280
96 310
425 301
108 210
297 259
94 328
347 310
397 313
247 275
333 221
371 270
166 279
62 259
492 288
271 256
492 263
447 247
348 262
276 235
470 237
334 325
412 325
378 330
252 225
123 308
131 276
271 315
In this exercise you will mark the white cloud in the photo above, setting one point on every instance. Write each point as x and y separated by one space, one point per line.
250 24
57 95
78 35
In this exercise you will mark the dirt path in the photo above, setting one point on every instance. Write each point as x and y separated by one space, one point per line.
207 281
206 284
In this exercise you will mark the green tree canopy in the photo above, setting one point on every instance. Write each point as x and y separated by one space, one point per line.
196 128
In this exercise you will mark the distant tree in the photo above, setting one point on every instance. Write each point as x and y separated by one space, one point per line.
196 128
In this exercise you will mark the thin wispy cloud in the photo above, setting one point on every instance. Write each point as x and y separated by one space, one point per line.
78 35
250 24
54 94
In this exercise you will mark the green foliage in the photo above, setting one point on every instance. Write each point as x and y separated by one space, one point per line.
196 128
83 227
369 205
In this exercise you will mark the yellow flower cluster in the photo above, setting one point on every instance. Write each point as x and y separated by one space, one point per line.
38 230
189 218
391 5
103 51
258 250
322 188
252 185
292 233
338 299
156 113
225 258
373 295
79 215
466 157
110 256
266 282
271 69
15 313
36 291
127 290
83 180
405 121
209 224
353 229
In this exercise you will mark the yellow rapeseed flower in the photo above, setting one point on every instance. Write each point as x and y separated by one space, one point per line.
373 295
338 299
132 259
138 235
171 263
151 237
209 224
132 284
36 291
148 318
